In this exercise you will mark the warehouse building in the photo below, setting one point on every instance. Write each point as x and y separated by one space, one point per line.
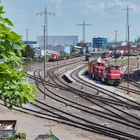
99 42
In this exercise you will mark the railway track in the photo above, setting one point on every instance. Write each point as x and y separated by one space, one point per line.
100 129
134 87
59 85
102 90
80 120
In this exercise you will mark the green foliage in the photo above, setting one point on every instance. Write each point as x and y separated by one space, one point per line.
47 56
73 51
28 52
14 90
63 54
18 136
137 40
109 47
51 135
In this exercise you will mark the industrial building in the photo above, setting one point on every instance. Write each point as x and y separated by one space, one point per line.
57 43
53 44
99 42
58 40
29 42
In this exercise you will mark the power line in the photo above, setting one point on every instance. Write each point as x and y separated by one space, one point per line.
83 32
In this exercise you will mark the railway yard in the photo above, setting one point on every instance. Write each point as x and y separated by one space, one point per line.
76 107
59 82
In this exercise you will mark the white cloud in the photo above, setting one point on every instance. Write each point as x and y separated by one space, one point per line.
122 4
103 7
56 3
97 7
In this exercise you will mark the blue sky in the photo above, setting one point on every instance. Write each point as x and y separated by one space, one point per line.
105 16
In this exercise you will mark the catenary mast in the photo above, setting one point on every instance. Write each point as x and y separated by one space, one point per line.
83 30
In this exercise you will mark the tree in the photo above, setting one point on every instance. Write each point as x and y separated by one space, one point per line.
63 54
28 52
109 47
17 136
47 56
14 90
51 135
73 51
137 40
81 44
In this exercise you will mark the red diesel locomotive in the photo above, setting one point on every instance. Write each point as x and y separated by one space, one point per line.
110 75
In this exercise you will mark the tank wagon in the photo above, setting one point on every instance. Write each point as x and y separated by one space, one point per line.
110 75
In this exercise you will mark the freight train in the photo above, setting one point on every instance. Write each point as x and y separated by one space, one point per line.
55 57
110 75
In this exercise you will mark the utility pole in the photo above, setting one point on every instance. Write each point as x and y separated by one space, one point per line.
44 44
83 32
116 37
128 42
45 37
27 31
46 13
115 45
27 60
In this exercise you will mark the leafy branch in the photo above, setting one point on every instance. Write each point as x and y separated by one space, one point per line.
14 89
